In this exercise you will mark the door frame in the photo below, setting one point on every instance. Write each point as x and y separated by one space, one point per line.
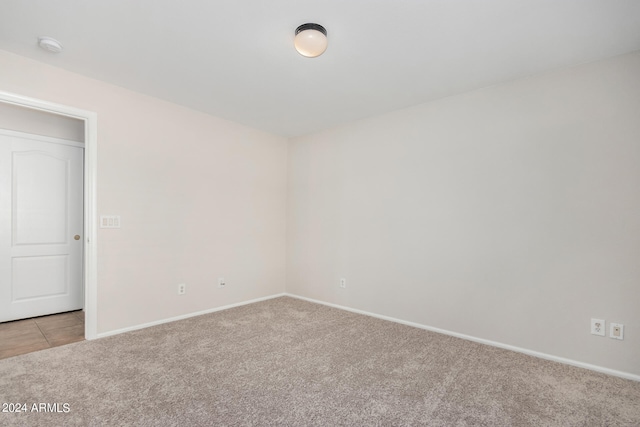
90 255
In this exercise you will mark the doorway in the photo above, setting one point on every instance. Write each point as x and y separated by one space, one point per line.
89 234
41 215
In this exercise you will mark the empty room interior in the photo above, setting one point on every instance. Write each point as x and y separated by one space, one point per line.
320 213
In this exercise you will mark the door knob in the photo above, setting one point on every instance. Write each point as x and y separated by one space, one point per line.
77 237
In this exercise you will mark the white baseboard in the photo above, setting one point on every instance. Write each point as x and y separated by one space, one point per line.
185 316
546 356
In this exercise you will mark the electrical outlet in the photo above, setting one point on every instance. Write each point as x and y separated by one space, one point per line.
598 327
343 283
616 331
221 282
182 288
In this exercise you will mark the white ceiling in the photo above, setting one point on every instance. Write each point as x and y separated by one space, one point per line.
235 58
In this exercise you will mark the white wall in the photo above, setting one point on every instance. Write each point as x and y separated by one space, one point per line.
510 214
199 198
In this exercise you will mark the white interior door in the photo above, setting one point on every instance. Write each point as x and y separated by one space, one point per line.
41 226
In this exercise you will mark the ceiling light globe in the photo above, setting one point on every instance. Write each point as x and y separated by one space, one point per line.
311 40
50 44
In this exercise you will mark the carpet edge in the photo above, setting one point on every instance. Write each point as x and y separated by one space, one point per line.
184 316
540 355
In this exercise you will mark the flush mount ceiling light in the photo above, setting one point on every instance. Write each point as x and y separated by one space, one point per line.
311 40
50 44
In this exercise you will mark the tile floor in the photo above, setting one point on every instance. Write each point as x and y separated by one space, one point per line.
38 333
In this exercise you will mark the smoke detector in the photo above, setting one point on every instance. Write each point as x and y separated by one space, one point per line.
50 44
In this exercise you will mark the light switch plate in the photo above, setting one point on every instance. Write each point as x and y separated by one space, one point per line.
109 221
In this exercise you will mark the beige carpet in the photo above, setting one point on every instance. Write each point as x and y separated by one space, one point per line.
286 362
